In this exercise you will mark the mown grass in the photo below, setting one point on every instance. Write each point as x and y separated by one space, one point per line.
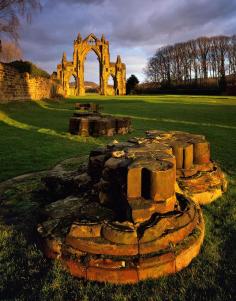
34 137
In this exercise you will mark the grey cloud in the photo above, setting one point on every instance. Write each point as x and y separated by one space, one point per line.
176 20
50 3
88 2
189 14
135 27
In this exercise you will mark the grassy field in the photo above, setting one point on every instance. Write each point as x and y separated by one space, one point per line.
33 137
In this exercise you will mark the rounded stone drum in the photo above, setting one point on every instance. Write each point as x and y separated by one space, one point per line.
135 212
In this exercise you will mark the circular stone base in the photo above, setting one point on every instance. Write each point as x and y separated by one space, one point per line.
109 251
205 186
134 213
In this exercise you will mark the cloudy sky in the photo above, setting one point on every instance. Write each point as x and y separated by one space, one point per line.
135 28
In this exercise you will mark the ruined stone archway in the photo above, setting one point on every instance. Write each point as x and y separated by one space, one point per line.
101 48
112 85
92 76
72 82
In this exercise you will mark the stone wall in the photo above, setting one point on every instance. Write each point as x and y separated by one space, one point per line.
22 86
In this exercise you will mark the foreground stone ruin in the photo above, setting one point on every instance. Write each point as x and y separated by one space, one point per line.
87 121
133 212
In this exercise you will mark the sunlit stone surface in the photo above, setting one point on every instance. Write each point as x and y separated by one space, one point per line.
134 212
88 121
100 47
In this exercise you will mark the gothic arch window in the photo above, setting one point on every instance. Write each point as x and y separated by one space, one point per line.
72 85
111 81
91 41
72 81
92 72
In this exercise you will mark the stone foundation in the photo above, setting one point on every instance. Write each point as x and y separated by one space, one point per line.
88 107
87 121
133 213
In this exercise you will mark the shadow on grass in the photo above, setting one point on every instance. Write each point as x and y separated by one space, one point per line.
29 276
216 122
26 148
14 123
34 137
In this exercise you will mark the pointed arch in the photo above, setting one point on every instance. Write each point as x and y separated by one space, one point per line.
101 48
73 84
91 36
111 84
92 73
92 48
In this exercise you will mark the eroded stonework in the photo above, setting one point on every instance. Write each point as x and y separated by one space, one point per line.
75 68
88 121
133 213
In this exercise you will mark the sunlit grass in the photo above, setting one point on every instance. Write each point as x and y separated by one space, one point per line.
11 122
34 136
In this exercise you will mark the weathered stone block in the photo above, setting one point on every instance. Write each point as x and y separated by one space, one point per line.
137 216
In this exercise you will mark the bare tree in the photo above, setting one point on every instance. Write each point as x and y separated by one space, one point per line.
206 60
152 70
203 45
232 56
10 13
10 52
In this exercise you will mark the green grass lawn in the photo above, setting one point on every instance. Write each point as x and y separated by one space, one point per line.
34 136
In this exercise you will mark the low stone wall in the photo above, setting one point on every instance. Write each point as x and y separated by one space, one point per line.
21 86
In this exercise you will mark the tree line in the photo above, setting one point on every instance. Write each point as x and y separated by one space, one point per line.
194 62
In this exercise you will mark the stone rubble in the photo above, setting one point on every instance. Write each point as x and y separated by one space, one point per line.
138 215
87 121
